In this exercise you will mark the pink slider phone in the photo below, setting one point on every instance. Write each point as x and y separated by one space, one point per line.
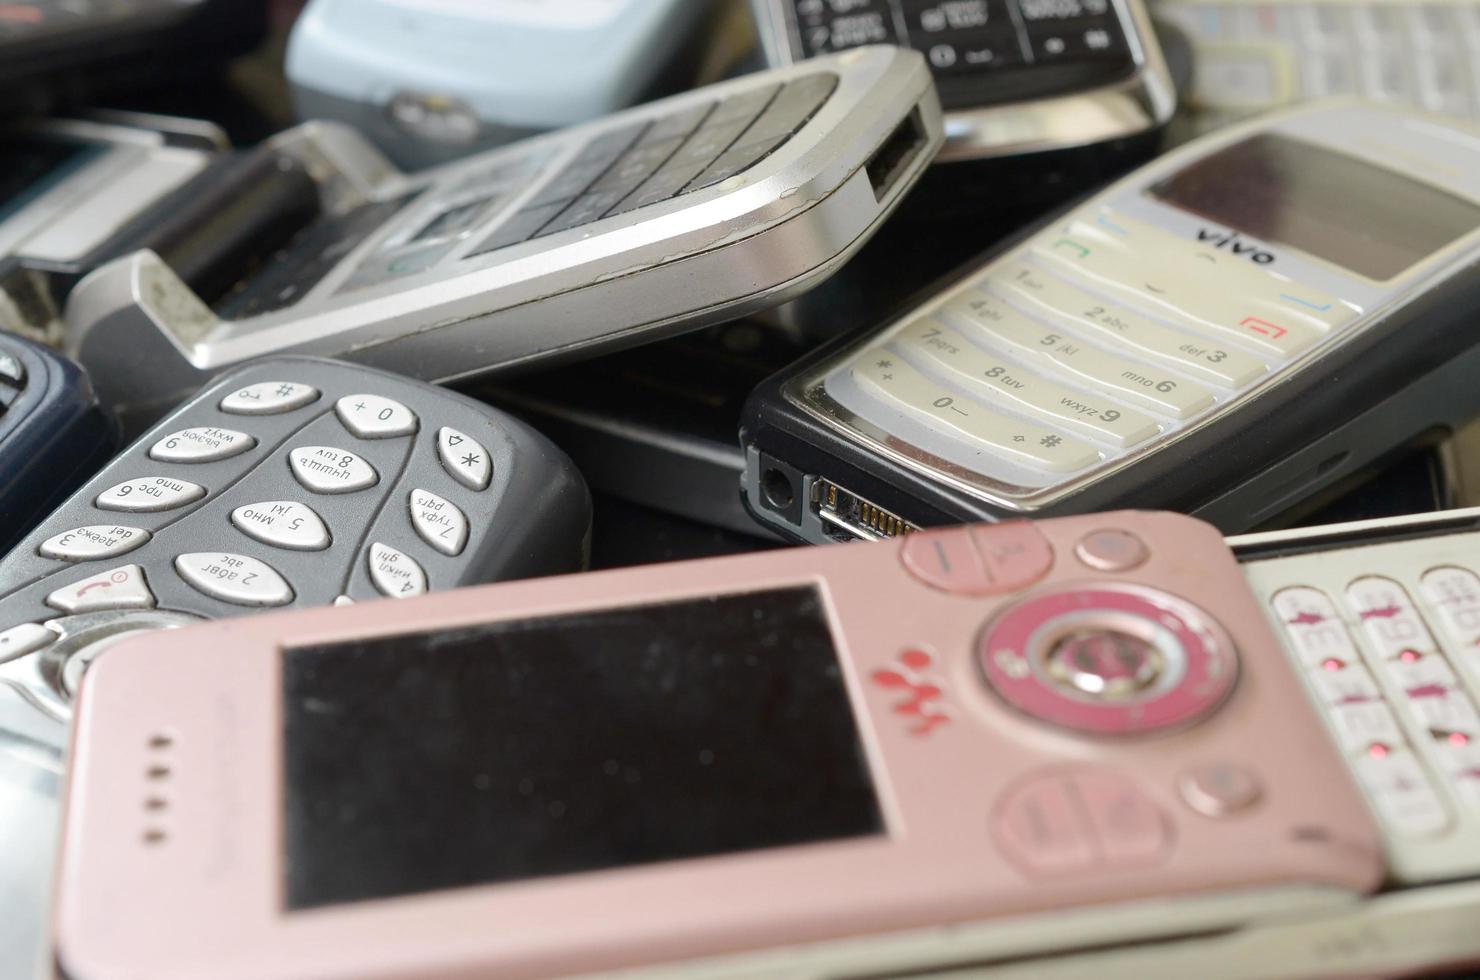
995 746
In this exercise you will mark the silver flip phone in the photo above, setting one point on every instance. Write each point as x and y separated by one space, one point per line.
659 219
67 186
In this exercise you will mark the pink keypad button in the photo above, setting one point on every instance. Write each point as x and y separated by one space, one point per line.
1388 616
1453 594
988 560
1129 828
1219 789
1400 791
1342 683
1313 626
1041 827
1111 550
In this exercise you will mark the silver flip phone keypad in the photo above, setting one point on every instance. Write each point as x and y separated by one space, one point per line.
1387 640
291 482
631 167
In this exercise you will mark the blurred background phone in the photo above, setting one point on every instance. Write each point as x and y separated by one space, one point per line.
1080 85
427 82
1253 55
60 53
69 186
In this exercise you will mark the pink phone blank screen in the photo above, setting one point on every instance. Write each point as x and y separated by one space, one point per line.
552 746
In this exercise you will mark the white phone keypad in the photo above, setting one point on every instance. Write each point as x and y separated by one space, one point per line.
283 524
1093 338
464 458
1385 637
290 483
439 522
269 398
1254 55
150 494
239 579
201 444
328 469
374 417
93 542
395 573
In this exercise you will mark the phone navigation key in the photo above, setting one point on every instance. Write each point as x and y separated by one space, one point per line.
123 587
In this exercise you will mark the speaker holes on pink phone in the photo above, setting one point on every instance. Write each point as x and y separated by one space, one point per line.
154 836
155 804
161 740
158 772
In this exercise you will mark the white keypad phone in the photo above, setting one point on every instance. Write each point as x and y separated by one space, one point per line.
1232 328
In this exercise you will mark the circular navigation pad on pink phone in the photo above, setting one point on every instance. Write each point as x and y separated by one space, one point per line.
1116 659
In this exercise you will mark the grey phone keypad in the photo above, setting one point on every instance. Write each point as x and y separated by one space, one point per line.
292 482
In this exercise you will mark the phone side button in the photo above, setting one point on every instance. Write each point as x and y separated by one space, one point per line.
1042 827
118 588
1219 790
1129 827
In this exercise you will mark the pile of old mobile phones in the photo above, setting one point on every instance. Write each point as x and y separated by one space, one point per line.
1170 342
344 665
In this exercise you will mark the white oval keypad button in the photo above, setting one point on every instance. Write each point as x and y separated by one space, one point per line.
439 522
268 398
238 579
464 458
283 524
117 588
150 493
93 541
374 417
324 469
23 639
202 444
395 573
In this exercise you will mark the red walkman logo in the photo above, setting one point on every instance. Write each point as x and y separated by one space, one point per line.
920 697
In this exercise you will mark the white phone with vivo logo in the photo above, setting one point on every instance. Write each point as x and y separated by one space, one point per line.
1256 317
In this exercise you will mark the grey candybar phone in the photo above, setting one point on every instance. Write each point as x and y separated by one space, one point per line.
68 187
655 220
1258 315
1015 76
291 482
